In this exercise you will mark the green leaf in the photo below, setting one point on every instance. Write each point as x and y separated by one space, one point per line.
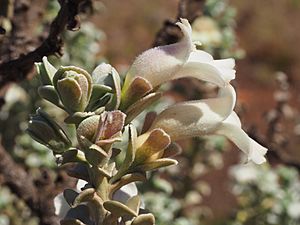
88 195
95 155
48 92
46 71
98 91
159 163
116 100
78 215
72 156
126 179
102 75
144 219
70 196
78 117
151 146
138 88
70 94
79 171
134 203
134 110
130 154
74 87
118 209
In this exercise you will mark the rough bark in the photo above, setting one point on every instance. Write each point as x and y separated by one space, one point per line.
18 68
37 194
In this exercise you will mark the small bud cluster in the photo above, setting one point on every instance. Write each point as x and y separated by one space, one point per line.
92 103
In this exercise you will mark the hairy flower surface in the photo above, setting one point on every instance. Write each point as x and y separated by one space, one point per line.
169 62
201 117
209 116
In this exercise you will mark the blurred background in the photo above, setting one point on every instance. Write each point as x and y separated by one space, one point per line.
212 185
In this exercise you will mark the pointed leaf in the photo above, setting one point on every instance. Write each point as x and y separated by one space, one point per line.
98 92
159 163
172 150
80 171
95 155
88 195
48 92
134 110
70 196
151 145
134 203
130 153
127 179
78 117
81 215
73 155
46 71
137 89
117 86
50 69
149 118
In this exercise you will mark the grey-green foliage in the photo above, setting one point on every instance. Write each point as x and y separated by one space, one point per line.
22 99
82 47
266 195
217 27
13 211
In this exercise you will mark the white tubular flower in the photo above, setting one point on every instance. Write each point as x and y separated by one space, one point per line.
202 66
209 116
164 63
231 128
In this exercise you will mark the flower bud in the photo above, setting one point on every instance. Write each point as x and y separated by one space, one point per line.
74 87
47 132
101 129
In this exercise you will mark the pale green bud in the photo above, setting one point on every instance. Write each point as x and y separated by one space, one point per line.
101 129
74 87
46 131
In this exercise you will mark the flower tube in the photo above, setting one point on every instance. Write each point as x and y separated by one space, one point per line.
208 117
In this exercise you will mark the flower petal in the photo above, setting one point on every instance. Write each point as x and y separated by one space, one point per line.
202 71
200 56
194 118
202 66
231 129
157 65
61 206
225 63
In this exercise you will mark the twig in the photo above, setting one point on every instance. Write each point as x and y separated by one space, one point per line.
37 194
67 17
